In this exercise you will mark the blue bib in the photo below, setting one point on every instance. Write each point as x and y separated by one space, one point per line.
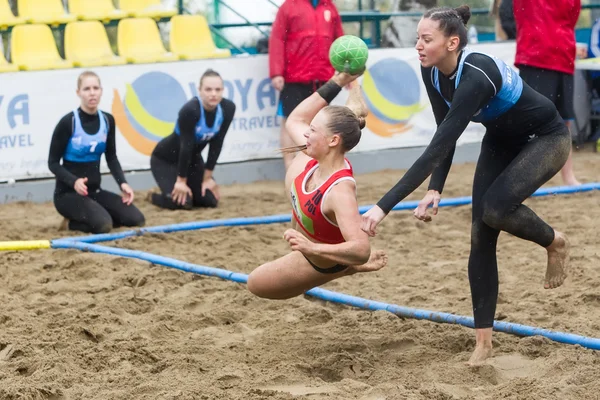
505 97
204 133
84 147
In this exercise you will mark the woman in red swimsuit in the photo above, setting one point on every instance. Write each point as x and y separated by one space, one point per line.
326 240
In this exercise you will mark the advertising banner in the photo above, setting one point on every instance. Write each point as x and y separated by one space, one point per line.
145 100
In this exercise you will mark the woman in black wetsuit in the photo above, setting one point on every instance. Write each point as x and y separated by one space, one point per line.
80 138
526 143
183 177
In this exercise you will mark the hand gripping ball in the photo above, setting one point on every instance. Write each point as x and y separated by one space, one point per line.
348 54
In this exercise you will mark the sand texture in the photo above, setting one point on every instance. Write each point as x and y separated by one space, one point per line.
77 325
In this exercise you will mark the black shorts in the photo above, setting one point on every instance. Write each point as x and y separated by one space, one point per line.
557 86
293 94
332 270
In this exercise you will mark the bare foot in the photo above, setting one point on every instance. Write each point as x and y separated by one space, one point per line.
480 355
64 225
378 260
572 182
558 259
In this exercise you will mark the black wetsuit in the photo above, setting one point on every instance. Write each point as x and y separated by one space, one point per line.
526 143
100 210
179 154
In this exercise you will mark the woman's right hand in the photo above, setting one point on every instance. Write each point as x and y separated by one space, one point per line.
180 192
81 187
371 219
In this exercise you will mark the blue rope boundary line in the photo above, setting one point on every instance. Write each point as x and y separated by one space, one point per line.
281 218
340 298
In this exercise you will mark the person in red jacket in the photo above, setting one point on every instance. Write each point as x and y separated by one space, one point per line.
545 55
301 35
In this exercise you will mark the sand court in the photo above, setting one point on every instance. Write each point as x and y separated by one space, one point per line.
83 325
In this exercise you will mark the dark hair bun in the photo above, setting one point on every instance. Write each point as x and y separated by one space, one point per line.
464 12
362 122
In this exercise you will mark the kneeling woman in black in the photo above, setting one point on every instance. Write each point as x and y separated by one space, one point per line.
184 179
80 138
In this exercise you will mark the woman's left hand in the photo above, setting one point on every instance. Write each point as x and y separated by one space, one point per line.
431 198
127 193
298 241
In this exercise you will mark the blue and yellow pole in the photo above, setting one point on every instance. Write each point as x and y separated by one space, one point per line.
15 245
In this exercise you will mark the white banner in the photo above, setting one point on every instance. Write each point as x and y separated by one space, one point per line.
145 100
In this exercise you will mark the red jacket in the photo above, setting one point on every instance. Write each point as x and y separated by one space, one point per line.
546 33
300 40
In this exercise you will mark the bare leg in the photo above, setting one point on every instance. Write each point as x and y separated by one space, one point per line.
483 347
567 173
287 277
286 141
292 275
558 258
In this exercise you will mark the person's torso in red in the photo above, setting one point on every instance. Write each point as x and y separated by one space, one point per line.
307 206
307 34
546 33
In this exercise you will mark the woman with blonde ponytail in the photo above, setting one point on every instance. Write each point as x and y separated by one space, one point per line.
325 238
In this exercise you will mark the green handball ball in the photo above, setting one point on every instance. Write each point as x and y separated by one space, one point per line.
348 54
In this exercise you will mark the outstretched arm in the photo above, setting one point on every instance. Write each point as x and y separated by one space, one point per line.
470 96
474 91
440 110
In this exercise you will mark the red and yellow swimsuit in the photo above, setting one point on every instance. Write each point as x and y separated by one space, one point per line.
307 206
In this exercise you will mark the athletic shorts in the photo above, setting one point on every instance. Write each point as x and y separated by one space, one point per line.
332 270
557 86
294 94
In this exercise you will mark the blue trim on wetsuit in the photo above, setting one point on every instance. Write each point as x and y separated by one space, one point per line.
505 98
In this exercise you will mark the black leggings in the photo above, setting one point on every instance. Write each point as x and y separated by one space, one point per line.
165 175
505 176
98 212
